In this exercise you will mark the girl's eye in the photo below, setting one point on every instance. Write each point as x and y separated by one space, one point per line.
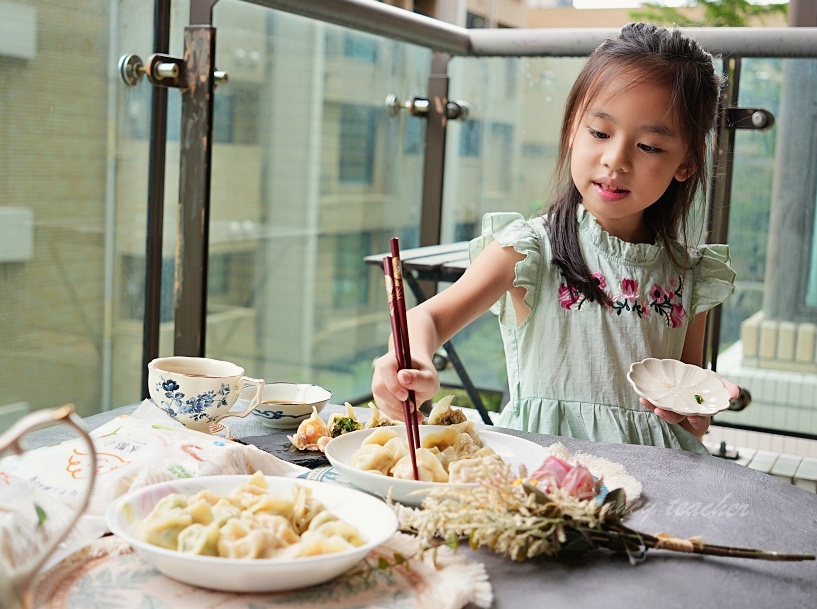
649 149
599 135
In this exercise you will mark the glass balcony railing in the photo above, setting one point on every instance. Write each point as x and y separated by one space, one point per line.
311 172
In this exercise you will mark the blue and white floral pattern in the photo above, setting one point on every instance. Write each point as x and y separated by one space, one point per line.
274 415
194 407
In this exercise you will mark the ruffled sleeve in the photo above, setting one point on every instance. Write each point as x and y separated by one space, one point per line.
512 229
714 279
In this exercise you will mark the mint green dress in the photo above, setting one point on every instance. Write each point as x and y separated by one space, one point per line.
568 361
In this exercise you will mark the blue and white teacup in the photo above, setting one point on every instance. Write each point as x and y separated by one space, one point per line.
199 391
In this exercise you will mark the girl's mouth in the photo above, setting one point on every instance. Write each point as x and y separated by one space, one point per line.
609 193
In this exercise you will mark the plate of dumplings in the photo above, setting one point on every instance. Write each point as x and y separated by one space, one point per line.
377 459
239 533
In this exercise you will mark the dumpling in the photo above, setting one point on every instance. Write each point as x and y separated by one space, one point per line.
472 470
373 458
380 437
379 452
164 523
470 428
443 414
466 446
339 528
441 439
310 432
199 539
339 424
306 507
313 543
429 468
398 448
378 419
239 540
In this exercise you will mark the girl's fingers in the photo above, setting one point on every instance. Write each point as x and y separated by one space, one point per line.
699 422
696 422
390 386
669 416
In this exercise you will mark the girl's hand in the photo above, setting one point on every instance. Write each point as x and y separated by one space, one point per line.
390 387
695 424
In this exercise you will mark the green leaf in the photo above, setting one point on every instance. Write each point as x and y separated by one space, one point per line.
617 500
41 515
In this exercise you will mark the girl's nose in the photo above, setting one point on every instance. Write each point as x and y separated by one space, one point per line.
616 157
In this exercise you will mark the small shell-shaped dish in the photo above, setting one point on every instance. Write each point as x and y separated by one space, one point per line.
682 388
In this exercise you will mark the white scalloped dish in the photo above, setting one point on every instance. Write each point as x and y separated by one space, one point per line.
682 388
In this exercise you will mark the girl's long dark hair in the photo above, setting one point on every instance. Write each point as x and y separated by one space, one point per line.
642 53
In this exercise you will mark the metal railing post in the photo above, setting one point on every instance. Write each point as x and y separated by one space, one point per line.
156 200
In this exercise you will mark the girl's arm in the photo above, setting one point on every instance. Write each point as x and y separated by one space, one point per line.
435 321
693 353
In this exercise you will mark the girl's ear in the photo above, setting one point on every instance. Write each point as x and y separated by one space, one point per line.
685 170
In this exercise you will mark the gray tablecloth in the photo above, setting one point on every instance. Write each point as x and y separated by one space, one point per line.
683 494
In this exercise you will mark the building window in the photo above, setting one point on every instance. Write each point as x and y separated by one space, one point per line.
502 145
350 286
465 231
133 288
473 22
471 139
358 126
361 47
415 135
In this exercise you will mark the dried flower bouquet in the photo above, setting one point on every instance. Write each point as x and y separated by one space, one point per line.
553 512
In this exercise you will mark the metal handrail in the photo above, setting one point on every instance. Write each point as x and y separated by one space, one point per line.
380 19
403 25
550 42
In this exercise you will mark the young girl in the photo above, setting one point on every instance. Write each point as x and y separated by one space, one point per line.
601 280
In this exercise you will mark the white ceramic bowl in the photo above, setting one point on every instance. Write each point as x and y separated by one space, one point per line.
514 450
285 405
374 519
682 388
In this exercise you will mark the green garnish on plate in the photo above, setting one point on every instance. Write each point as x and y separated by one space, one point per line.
699 398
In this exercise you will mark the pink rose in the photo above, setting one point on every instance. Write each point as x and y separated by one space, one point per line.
579 482
552 471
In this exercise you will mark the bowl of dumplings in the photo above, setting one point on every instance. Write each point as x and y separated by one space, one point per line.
238 533
452 451
285 405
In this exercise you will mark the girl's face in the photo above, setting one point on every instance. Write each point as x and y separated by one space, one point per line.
625 149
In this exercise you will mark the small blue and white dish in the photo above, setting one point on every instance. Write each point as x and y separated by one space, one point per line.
285 405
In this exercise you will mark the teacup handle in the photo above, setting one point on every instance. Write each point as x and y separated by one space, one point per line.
10 440
243 382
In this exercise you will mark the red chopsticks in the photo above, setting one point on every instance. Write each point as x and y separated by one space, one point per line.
399 329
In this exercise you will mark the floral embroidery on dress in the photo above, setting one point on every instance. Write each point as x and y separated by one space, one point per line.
665 301
630 300
569 295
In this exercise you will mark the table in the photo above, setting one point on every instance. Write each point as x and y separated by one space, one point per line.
438 263
684 494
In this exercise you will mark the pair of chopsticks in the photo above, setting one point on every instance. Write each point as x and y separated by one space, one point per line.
399 329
